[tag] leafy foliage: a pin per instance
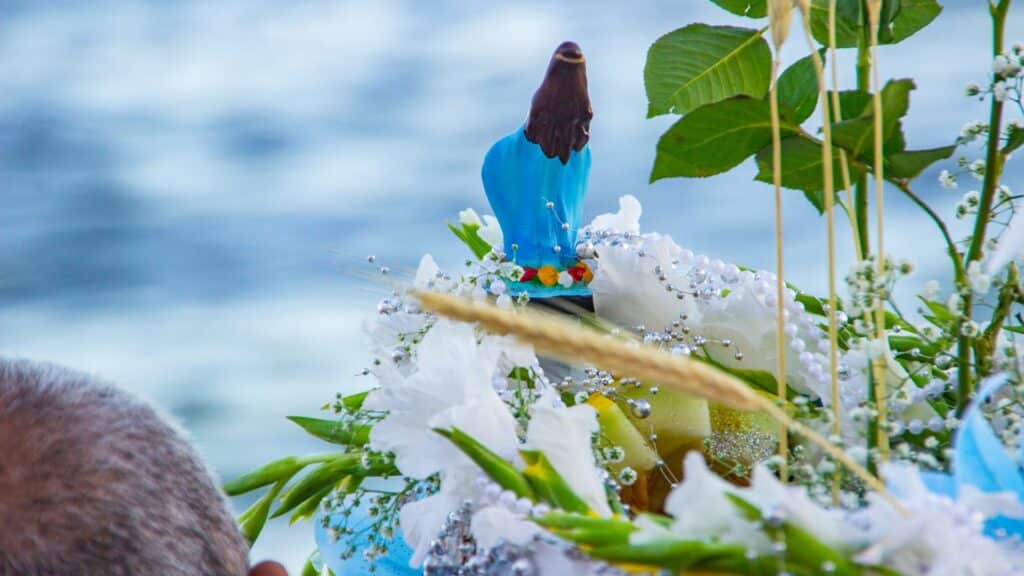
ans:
(700, 64)
(717, 137)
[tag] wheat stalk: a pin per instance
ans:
(574, 343)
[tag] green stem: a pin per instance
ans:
(860, 201)
(954, 254)
(1008, 295)
(864, 85)
(965, 383)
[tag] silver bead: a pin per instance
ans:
(641, 408)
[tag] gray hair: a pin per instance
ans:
(94, 481)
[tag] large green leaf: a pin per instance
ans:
(900, 20)
(748, 8)
(852, 103)
(913, 15)
(798, 87)
(857, 134)
(717, 137)
(700, 64)
(911, 163)
(847, 22)
(802, 161)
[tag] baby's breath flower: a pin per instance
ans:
(961, 210)
(970, 131)
(955, 303)
(1006, 65)
(972, 198)
(978, 281)
(999, 91)
(931, 290)
(972, 89)
(947, 180)
(977, 169)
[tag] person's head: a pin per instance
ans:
(93, 481)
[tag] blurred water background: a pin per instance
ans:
(189, 189)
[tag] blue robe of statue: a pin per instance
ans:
(520, 181)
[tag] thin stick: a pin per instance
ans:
(837, 113)
(829, 191)
(780, 320)
(574, 343)
(878, 364)
(845, 170)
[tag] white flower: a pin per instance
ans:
(565, 279)
(931, 290)
(939, 537)
(976, 279)
(702, 511)
(426, 273)
(490, 232)
(421, 520)
(627, 219)
(999, 91)
(1006, 66)
(947, 180)
(564, 435)
(971, 198)
(626, 288)
(977, 169)
(972, 89)
(1010, 246)
(955, 303)
(970, 131)
(495, 524)
(451, 387)
(744, 318)
(469, 217)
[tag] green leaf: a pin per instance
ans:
(1014, 329)
(748, 8)
(499, 470)
(334, 431)
(353, 402)
(701, 64)
(716, 137)
(852, 103)
(900, 20)
(911, 163)
(798, 87)
(327, 474)
(284, 469)
(306, 510)
(847, 22)
(802, 161)
(549, 485)
(678, 555)
(857, 134)
(913, 15)
(1014, 138)
(468, 233)
(251, 522)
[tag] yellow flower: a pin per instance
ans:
(547, 275)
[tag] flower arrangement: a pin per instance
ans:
(695, 415)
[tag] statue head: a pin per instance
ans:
(560, 112)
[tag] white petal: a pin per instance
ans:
(627, 219)
(494, 524)
(564, 436)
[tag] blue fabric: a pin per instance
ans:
(980, 460)
(396, 563)
(519, 181)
